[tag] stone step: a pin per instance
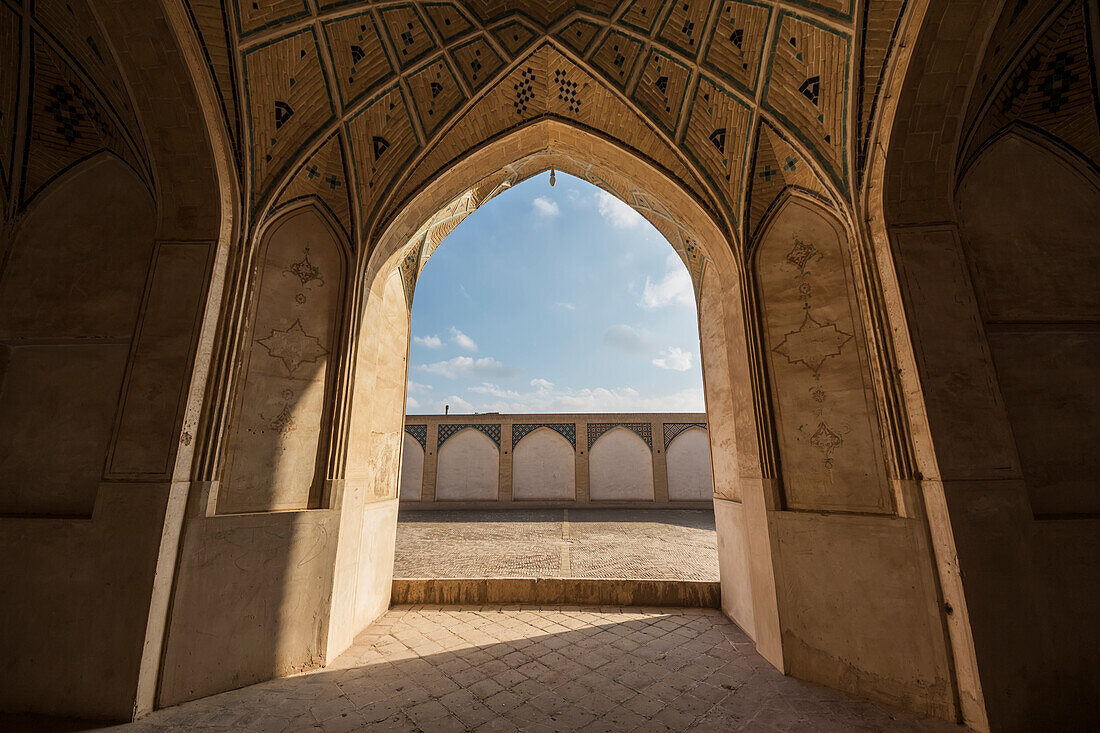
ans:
(556, 591)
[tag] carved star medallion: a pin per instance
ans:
(813, 343)
(293, 347)
(826, 440)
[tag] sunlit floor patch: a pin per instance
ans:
(546, 669)
(654, 544)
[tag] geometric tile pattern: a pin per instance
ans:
(514, 36)
(256, 16)
(77, 103)
(69, 122)
(420, 433)
(357, 55)
(288, 103)
(661, 89)
(643, 429)
(683, 27)
(383, 141)
(672, 429)
(1051, 87)
(448, 20)
(449, 429)
(840, 8)
(323, 178)
(409, 37)
(579, 35)
(478, 62)
(808, 87)
(408, 75)
(776, 167)
(616, 57)
(736, 47)
(435, 93)
(642, 14)
(11, 43)
(566, 430)
(214, 35)
(716, 137)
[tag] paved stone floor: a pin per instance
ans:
(552, 669)
(640, 544)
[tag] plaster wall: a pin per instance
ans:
(412, 469)
(1001, 322)
(549, 463)
(273, 452)
(468, 468)
(1031, 250)
(251, 602)
(688, 464)
(543, 467)
(734, 569)
(620, 467)
(368, 498)
(881, 591)
(253, 591)
(875, 627)
(824, 405)
(71, 296)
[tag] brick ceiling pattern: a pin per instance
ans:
(401, 90)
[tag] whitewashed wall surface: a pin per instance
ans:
(618, 459)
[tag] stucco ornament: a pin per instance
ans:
(293, 347)
(813, 343)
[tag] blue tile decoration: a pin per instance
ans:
(449, 429)
(567, 431)
(420, 432)
(672, 429)
(643, 429)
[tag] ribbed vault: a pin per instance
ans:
(358, 104)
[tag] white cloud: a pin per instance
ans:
(418, 388)
(673, 289)
(566, 306)
(462, 340)
(617, 213)
(628, 338)
(546, 207)
(548, 398)
(674, 359)
(411, 403)
(457, 404)
(464, 367)
(432, 342)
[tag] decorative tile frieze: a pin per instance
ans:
(672, 429)
(643, 429)
(566, 430)
(450, 429)
(419, 433)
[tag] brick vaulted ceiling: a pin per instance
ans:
(360, 103)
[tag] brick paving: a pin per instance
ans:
(641, 544)
(551, 669)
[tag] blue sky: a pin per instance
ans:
(558, 299)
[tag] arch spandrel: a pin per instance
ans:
(546, 83)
